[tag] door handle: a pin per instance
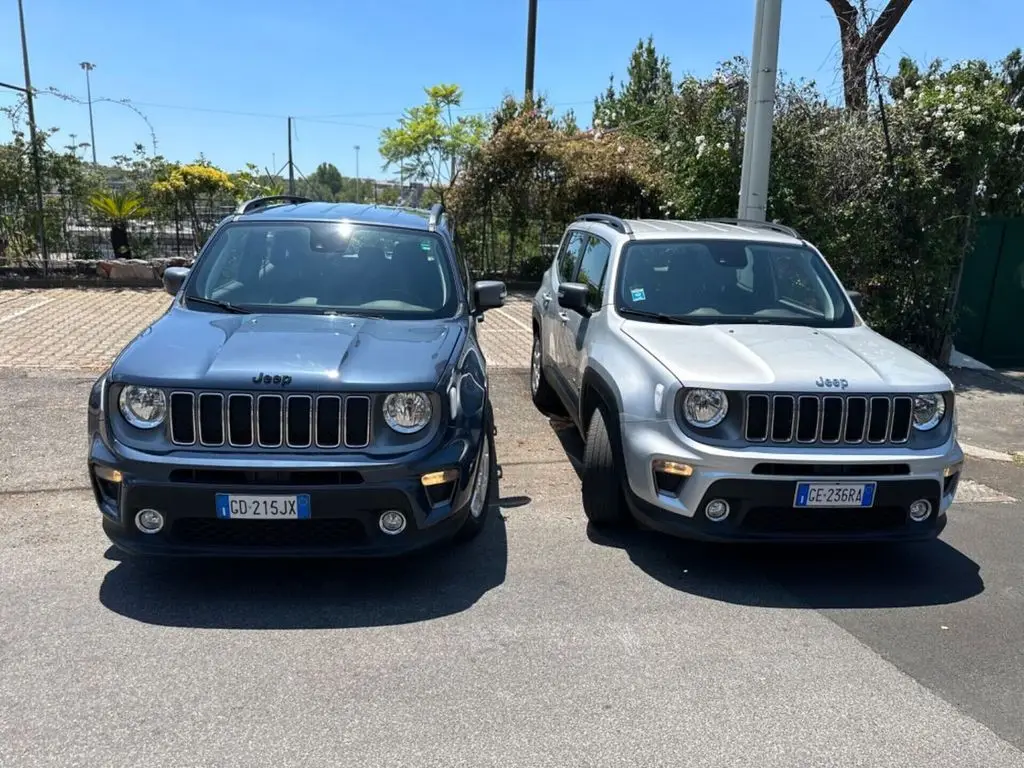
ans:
(564, 317)
(546, 298)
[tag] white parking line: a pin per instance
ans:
(512, 320)
(21, 312)
(985, 453)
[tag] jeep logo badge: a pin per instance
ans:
(266, 378)
(832, 383)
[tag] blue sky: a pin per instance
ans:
(220, 76)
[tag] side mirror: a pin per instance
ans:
(173, 278)
(489, 294)
(856, 298)
(574, 296)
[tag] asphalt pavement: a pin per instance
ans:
(540, 644)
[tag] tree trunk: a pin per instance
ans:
(860, 49)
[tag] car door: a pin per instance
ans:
(592, 270)
(553, 316)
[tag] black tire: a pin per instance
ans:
(603, 500)
(474, 525)
(544, 397)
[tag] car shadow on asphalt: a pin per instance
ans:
(816, 576)
(308, 594)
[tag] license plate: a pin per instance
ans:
(231, 506)
(834, 495)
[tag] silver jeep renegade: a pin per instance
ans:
(727, 388)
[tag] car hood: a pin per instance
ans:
(786, 358)
(188, 348)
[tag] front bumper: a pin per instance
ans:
(346, 501)
(759, 485)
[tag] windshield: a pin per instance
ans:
(324, 267)
(729, 281)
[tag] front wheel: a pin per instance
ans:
(544, 398)
(603, 500)
(485, 486)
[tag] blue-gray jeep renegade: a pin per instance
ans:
(316, 388)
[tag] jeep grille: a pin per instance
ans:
(243, 420)
(828, 419)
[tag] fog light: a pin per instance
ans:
(951, 470)
(717, 510)
(149, 521)
(439, 478)
(920, 510)
(392, 522)
(108, 474)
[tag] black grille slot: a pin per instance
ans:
(828, 419)
(831, 419)
(240, 420)
(328, 421)
(357, 421)
(183, 419)
(268, 420)
(322, 533)
(833, 520)
(856, 419)
(878, 420)
(266, 477)
(781, 469)
(757, 418)
(807, 420)
(902, 414)
(300, 421)
(782, 418)
(211, 419)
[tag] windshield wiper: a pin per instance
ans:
(659, 316)
(219, 304)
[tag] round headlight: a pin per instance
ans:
(143, 407)
(704, 408)
(928, 411)
(407, 412)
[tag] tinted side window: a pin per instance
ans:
(593, 268)
(569, 258)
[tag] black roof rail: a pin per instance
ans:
(262, 202)
(606, 218)
(436, 214)
(757, 224)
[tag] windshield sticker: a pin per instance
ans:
(638, 294)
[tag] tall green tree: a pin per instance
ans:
(644, 102)
(327, 175)
(431, 143)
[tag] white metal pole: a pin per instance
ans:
(760, 161)
(748, 134)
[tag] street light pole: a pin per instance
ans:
(757, 159)
(358, 191)
(36, 163)
(531, 46)
(88, 90)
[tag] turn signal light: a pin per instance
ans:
(108, 474)
(439, 478)
(672, 468)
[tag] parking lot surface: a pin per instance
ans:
(540, 644)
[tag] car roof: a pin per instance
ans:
(682, 229)
(362, 213)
